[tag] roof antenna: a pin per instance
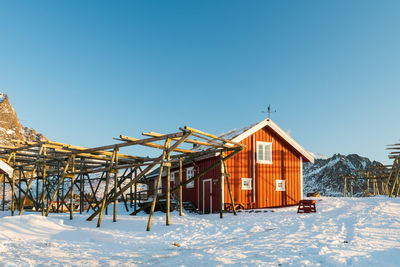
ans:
(269, 111)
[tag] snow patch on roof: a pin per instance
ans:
(235, 132)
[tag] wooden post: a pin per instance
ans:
(4, 193)
(153, 204)
(106, 189)
(229, 188)
(12, 194)
(221, 190)
(44, 189)
(351, 187)
(37, 192)
(19, 189)
(71, 209)
(115, 184)
(345, 187)
(135, 196)
(367, 190)
(131, 193)
(168, 185)
(180, 186)
(81, 193)
(104, 199)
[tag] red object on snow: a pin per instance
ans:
(306, 206)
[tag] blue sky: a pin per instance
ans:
(83, 72)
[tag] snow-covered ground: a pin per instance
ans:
(343, 232)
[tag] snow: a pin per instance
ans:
(4, 167)
(318, 155)
(343, 232)
(2, 97)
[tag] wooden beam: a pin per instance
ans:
(131, 139)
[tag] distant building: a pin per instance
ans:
(267, 173)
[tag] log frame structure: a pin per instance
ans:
(381, 180)
(59, 168)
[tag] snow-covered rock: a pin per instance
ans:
(324, 176)
(10, 126)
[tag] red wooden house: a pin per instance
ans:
(267, 173)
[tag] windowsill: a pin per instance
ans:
(264, 161)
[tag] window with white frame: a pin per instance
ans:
(264, 152)
(175, 177)
(190, 174)
(155, 186)
(280, 185)
(247, 183)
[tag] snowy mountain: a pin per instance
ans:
(10, 127)
(324, 176)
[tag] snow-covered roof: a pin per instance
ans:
(238, 135)
(4, 167)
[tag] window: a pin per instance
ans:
(155, 186)
(190, 174)
(280, 185)
(246, 183)
(175, 178)
(264, 152)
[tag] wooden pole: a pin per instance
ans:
(37, 192)
(4, 193)
(153, 204)
(81, 193)
(106, 190)
(168, 185)
(13, 189)
(131, 193)
(115, 185)
(135, 197)
(345, 187)
(229, 188)
(71, 209)
(351, 187)
(19, 189)
(44, 189)
(221, 190)
(180, 186)
(367, 190)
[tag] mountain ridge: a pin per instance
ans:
(324, 176)
(10, 126)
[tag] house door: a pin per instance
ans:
(207, 196)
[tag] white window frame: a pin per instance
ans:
(175, 176)
(280, 188)
(264, 145)
(155, 186)
(247, 187)
(190, 170)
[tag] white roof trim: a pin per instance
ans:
(6, 168)
(280, 132)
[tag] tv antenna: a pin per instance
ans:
(269, 111)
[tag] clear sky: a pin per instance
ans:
(83, 72)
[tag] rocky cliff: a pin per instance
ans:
(10, 126)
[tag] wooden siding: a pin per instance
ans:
(285, 166)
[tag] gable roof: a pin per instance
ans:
(241, 134)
